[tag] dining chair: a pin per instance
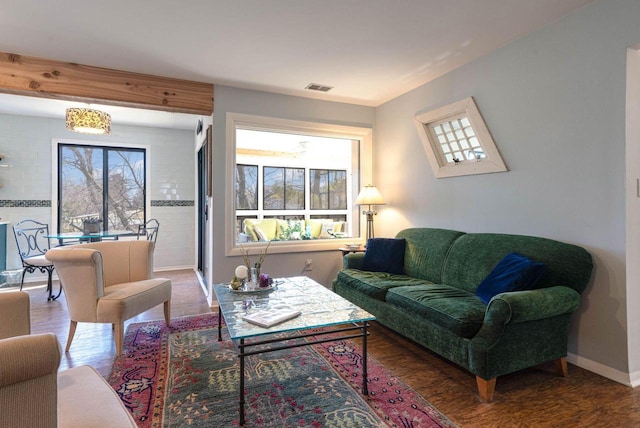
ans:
(31, 239)
(150, 230)
(109, 282)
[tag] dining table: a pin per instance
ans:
(67, 238)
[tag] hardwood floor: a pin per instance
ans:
(530, 398)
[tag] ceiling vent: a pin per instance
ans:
(318, 87)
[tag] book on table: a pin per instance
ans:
(271, 317)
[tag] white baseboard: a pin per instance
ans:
(635, 378)
(627, 379)
(166, 268)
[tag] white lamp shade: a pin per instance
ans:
(369, 195)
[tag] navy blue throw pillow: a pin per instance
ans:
(384, 255)
(514, 272)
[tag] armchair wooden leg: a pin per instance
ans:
(118, 333)
(72, 332)
(561, 366)
(486, 388)
(167, 312)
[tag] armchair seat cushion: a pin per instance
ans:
(123, 301)
(81, 388)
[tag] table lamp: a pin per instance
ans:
(369, 195)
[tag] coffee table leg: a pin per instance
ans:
(365, 390)
(241, 382)
(219, 323)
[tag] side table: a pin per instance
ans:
(347, 250)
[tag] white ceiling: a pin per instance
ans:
(370, 51)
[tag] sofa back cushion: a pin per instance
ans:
(426, 250)
(473, 256)
(267, 226)
(384, 255)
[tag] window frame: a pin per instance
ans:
(491, 162)
(55, 197)
(362, 175)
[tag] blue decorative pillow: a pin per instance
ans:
(384, 255)
(514, 272)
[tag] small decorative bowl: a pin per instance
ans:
(353, 247)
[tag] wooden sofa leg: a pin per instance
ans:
(561, 366)
(486, 388)
(72, 332)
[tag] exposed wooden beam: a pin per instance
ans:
(24, 75)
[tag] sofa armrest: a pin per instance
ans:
(531, 305)
(353, 261)
(522, 306)
(28, 357)
(15, 315)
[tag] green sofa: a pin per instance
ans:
(434, 303)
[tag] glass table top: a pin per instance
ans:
(319, 307)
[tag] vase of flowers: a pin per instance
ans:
(257, 265)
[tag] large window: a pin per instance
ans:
(295, 182)
(101, 185)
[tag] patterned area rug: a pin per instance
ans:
(182, 376)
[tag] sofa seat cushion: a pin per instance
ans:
(459, 311)
(376, 284)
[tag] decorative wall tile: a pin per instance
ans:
(171, 203)
(9, 203)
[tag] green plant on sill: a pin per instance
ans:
(292, 229)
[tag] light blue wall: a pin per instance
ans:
(227, 99)
(554, 102)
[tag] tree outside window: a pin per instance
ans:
(100, 184)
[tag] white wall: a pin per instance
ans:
(26, 143)
(633, 211)
(325, 263)
(554, 102)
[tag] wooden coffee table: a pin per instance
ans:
(319, 307)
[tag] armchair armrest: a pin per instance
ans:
(29, 357)
(353, 261)
(15, 319)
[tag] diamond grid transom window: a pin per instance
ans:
(457, 141)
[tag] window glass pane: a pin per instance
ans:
(125, 203)
(100, 183)
(294, 189)
(273, 198)
(328, 189)
(247, 187)
(81, 172)
(319, 189)
(338, 190)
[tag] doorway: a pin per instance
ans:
(204, 197)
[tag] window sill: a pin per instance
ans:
(278, 247)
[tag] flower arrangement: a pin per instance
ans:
(258, 264)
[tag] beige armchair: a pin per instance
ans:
(109, 282)
(33, 393)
